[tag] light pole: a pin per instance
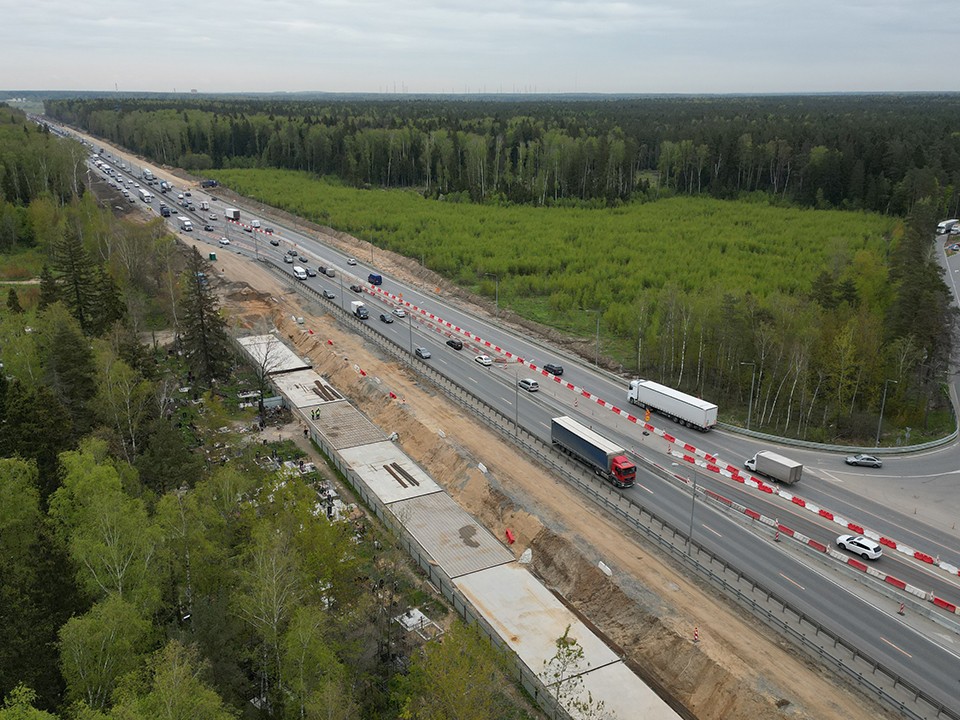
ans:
(496, 291)
(596, 357)
(340, 276)
(516, 402)
(882, 404)
(753, 376)
(693, 505)
(410, 326)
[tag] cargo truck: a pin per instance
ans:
(946, 226)
(359, 309)
(147, 175)
(185, 223)
(774, 466)
(679, 407)
(607, 459)
(232, 214)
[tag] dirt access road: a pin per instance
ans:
(738, 671)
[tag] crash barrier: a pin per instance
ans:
(818, 641)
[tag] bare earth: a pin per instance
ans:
(648, 608)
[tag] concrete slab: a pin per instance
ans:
(624, 695)
(450, 535)
(388, 472)
(271, 354)
(305, 389)
(529, 618)
(344, 426)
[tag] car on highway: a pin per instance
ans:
(328, 295)
(246, 228)
(212, 216)
(455, 343)
(311, 272)
(422, 352)
(357, 288)
(385, 318)
(303, 258)
(864, 460)
(860, 545)
(293, 252)
(553, 369)
(268, 230)
(400, 312)
(287, 259)
(274, 242)
(483, 360)
(208, 228)
(351, 261)
(223, 241)
(528, 384)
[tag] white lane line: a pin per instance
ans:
(707, 527)
(643, 487)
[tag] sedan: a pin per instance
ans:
(303, 259)
(422, 352)
(400, 312)
(212, 216)
(385, 318)
(328, 295)
(293, 252)
(351, 261)
(865, 460)
(223, 241)
(209, 228)
(357, 288)
(274, 242)
(858, 544)
(311, 272)
(483, 360)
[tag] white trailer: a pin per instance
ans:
(946, 226)
(232, 214)
(775, 466)
(145, 195)
(679, 407)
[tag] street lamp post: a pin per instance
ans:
(340, 276)
(410, 326)
(516, 402)
(753, 376)
(882, 404)
(496, 291)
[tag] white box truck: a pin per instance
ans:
(232, 214)
(679, 407)
(299, 273)
(359, 309)
(185, 223)
(775, 466)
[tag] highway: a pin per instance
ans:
(867, 621)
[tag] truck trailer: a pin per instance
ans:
(185, 223)
(607, 459)
(359, 309)
(775, 466)
(679, 407)
(232, 214)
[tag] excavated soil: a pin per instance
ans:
(648, 608)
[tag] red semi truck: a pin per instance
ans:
(607, 459)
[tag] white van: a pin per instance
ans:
(255, 223)
(299, 273)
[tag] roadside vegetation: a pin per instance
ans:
(161, 557)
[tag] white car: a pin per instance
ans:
(483, 360)
(400, 312)
(224, 241)
(859, 545)
(351, 261)
(528, 384)
(212, 216)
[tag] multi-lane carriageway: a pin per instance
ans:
(899, 648)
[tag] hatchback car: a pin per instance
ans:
(422, 352)
(311, 272)
(351, 261)
(483, 359)
(212, 216)
(274, 242)
(528, 384)
(865, 460)
(455, 343)
(287, 259)
(356, 288)
(385, 318)
(303, 258)
(400, 312)
(328, 295)
(554, 369)
(223, 241)
(293, 252)
(209, 228)
(859, 545)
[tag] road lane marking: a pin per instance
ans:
(896, 648)
(707, 527)
(789, 580)
(644, 487)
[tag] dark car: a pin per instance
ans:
(455, 343)
(385, 318)
(246, 228)
(356, 288)
(274, 242)
(328, 295)
(208, 228)
(311, 272)
(292, 252)
(303, 259)
(554, 369)
(268, 230)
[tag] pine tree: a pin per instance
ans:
(108, 306)
(13, 302)
(204, 338)
(49, 290)
(76, 277)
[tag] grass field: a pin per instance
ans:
(552, 261)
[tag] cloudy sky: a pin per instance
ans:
(443, 46)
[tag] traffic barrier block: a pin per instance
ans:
(798, 501)
(857, 564)
(895, 582)
(923, 557)
(752, 513)
(888, 542)
(827, 514)
(944, 604)
(858, 529)
(817, 545)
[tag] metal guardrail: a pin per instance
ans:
(859, 667)
(841, 448)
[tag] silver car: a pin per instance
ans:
(864, 460)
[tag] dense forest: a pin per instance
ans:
(881, 153)
(158, 558)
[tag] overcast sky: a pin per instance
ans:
(443, 46)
